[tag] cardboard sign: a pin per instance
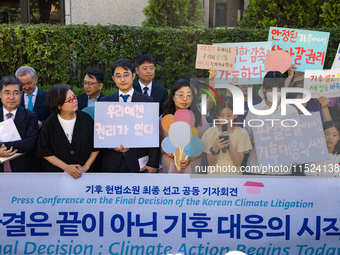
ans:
(336, 62)
(278, 145)
(133, 125)
(218, 57)
(162, 214)
(323, 82)
(307, 48)
(249, 64)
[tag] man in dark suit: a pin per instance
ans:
(26, 123)
(33, 98)
(145, 68)
(93, 83)
(125, 159)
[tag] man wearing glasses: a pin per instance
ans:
(125, 160)
(26, 123)
(33, 98)
(93, 83)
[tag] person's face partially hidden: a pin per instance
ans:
(123, 79)
(332, 137)
(92, 87)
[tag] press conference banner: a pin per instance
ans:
(125, 214)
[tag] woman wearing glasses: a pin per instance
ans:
(181, 97)
(66, 139)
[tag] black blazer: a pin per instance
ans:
(26, 123)
(83, 99)
(112, 158)
(39, 106)
(158, 93)
(53, 142)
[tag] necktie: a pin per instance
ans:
(30, 102)
(125, 97)
(7, 165)
(145, 90)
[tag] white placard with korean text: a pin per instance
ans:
(133, 125)
(323, 82)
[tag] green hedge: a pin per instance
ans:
(61, 53)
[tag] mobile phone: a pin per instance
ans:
(225, 138)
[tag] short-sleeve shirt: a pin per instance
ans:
(239, 139)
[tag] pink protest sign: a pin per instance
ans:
(278, 61)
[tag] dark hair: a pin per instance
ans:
(328, 124)
(56, 97)
(170, 108)
(124, 63)
(95, 73)
(227, 102)
(144, 58)
(10, 80)
(273, 79)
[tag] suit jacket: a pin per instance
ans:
(26, 123)
(53, 141)
(83, 99)
(158, 93)
(39, 106)
(112, 158)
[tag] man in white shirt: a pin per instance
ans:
(145, 69)
(26, 123)
(126, 159)
(33, 98)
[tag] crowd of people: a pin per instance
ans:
(57, 127)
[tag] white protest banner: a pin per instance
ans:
(134, 125)
(218, 57)
(308, 48)
(278, 144)
(336, 61)
(140, 214)
(323, 82)
(249, 64)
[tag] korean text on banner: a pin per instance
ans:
(323, 82)
(133, 125)
(307, 48)
(276, 144)
(249, 64)
(218, 57)
(139, 214)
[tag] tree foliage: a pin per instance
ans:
(282, 13)
(331, 13)
(173, 13)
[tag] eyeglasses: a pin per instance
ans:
(89, 83)
(182, 96)
(7, 93)
(125, 76)
(74, 98)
